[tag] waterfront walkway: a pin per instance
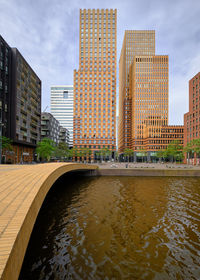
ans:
(23, 189)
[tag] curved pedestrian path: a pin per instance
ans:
(23, 189)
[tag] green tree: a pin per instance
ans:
(85, 152)
(188, 149)
(89, 152)
(196, 147)
(143, 153)
(45, 149)
(175, 150)
(81, 153)
(63, 146)
(6, 143)
(57, 153)
(69, 154)
(75, 152)
(116, 155)
(160, 154)
(98, 154)
(193, 147)
(61, 151)
(105, 152)
(128, 153)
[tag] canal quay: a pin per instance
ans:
(146, 169)
(135, 221)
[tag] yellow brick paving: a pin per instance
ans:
(22, 192)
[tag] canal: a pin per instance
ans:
(117, 228)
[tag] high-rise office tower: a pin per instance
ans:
(143, 90)
(62, 107)
(135, 43)
(95, 81)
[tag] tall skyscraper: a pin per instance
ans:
(143, 90)
(62, 99)
(149, 78)
(95, 81)
(135, 43)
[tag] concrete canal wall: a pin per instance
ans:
(145, 172)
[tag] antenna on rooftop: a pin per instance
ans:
(46, 108)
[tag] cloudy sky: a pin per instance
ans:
(46, 33)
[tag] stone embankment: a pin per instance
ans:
(146, 169)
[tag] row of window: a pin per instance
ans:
(94, 82)
(93, 106)
(95, 85)
(86, 121)
(94, 98)
(94, 67)
(101, 13)
(90, 115)
(95, 146)
(104, 31)
(143, 97)
(92, 36)
(95, 134)
(104, 49)
(95, 77)
(76, 127)
(99, 20)
(94, 142)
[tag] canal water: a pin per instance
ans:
(117, 228)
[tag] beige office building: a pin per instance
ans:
(95, 81)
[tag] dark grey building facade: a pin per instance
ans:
(50, 127)
(20, 103)
(26, 101)
(64, 135)
(5, 88)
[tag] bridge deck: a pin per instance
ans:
(22, 191)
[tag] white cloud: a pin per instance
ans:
(46, 33)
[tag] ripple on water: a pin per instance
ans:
(118, 228)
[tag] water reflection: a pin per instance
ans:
(118, 228)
